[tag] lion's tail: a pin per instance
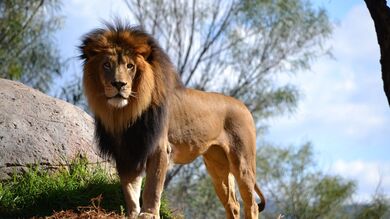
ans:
(261, 205)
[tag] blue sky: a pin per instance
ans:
(343, 110)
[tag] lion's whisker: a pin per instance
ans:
(133, 94)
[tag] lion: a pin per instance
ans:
(145, 119)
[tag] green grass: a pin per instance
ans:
(39, 193)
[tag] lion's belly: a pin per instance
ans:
(187, 147)
(183, 154)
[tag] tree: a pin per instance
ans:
(379, 207)
(380, 14)
(296, 189)
(27, 51)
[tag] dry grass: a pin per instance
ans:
(86, 212)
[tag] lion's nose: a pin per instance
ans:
(118, 84)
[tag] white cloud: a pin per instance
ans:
(368, 175)
(355, 38)
(345, 93)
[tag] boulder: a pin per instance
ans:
(38, 129)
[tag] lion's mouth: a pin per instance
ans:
(119, 96)
(118, 101)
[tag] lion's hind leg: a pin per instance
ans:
(217, 166)
(246, 180)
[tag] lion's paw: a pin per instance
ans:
(145, 215)
(133, 215)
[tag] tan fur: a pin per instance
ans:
(199, 123)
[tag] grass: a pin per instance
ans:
(40, 193)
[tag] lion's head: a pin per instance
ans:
(122, 74)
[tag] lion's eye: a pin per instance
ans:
(130, 66)
(107, 66)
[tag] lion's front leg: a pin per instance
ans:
(156, 170)
(131, 187)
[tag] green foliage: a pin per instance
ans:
(39, 193)
(295, 188)
(27, 51)
(165, 210)
(379, 207)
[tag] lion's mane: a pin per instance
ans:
(129, 134)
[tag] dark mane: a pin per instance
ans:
(132, 148)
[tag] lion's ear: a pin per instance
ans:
(144, 50)
(86, 53)
(91, 44)
(87, 49)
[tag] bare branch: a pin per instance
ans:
(209, 43)
(191, 40)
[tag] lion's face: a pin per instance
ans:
(117, 74)
(120, 80)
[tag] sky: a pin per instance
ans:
(343, 110)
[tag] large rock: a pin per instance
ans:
(38, 129)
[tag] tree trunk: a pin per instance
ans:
(380, 13)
